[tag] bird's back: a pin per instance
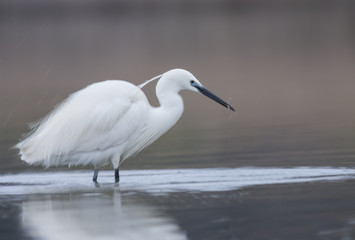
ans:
(95, 119)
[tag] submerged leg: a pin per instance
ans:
(96, 172)
(117, 175)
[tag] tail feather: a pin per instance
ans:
(27, 151)
(36, 148)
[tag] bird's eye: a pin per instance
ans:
(192, 81)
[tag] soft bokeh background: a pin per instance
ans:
(288, 67)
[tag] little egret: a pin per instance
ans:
(108, 122)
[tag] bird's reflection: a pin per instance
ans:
(96, 216)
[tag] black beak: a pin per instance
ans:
(211, 95)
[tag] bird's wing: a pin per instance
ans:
(98, 117)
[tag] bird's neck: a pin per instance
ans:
(168, 113)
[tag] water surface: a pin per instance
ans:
(180, 204)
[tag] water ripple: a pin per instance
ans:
(165, 181)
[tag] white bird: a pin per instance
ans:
(108, 122)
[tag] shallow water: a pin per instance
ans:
(167, 181)
(180, 204)
(100, 215)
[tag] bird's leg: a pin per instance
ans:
(117, 175)
(96, 172)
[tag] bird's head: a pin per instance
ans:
(180, 79)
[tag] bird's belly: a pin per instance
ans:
(96, 158)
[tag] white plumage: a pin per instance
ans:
(108, 122)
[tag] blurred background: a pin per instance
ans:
(287, 66)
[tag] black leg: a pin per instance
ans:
(96, 172)
(117, 175)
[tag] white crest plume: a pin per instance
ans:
(150, 80)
